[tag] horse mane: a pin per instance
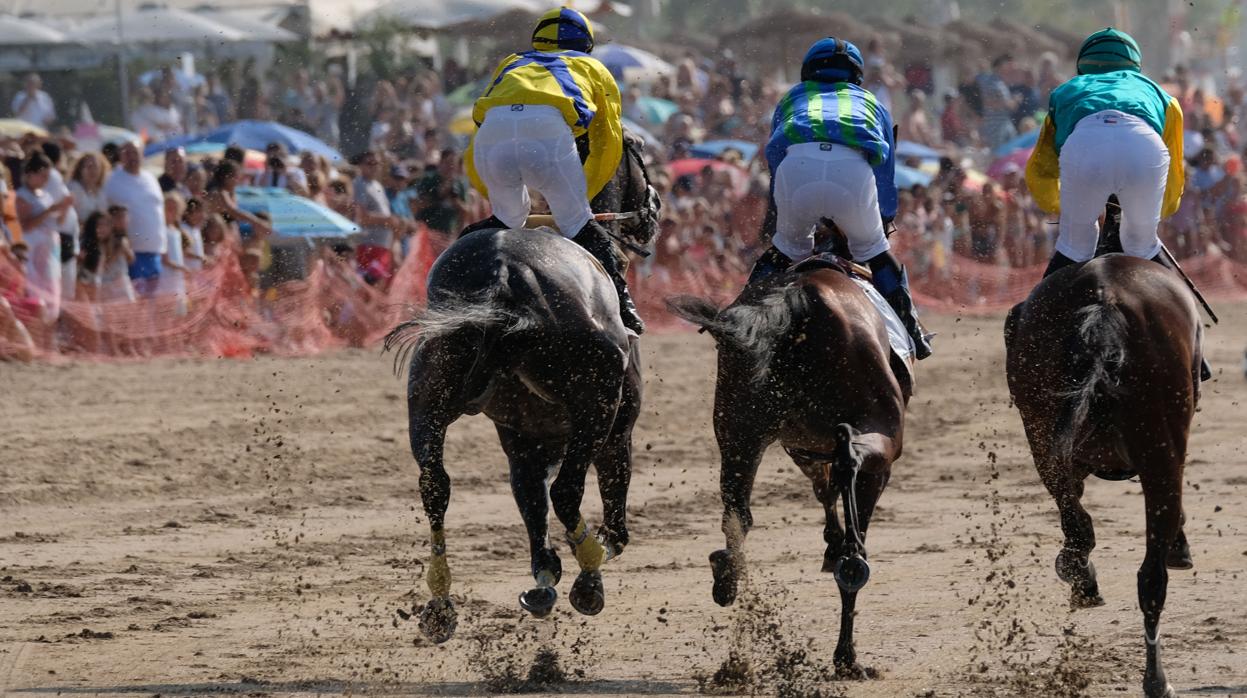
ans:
(1098, 353)
(754, 327)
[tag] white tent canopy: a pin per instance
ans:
(251, 30)
(15, 31)
(154, 25)
(440, 14)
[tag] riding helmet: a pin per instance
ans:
(1109, 50)
(563, 29)
(832, 60)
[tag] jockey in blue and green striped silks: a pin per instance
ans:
(832, 154)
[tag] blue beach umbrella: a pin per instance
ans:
(909, 149)
(908, 177)
(655, 110)
(255, 135)
(294, 216)
(624, 61)
(712, 149)
(1026, 140)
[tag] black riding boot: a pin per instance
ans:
(771, 262)
(593, 237)
(1205, 368)
(1059, 261)
(491, 223)
(890, 279)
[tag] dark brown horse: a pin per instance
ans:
(524, 326)
(1103, 364)
(804, 360)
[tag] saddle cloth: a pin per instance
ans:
(898, 338)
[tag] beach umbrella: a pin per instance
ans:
(909, 177)
(439, 14)
(252, 30)
(713, 149)
(255, 135)
(185, 81)
(694, 166)
(294, 216)
(628, 61)
(16, 128)
(1026, 140)
(1013, 162)
(909, 149)
(640, 131)
(153, 25)
(465, 95)
(655, 110)
(16, 31)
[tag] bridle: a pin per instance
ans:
(646, 217)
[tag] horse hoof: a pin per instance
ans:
(1159, 689)
(539, 602)
(438, 620)
(588, 596)
(1082, 599)
(613, 541)
(725, 577)
(1179, 559)
(852, 572)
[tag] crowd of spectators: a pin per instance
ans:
(99, 226)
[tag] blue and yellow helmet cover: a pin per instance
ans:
(563, 29)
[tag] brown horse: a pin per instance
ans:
(804, 359)
(1103, 364)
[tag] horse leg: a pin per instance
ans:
(740, 456)
(438, 619)
(1073, 563)
(1179, 556)
(614, 462)
(591, 404)
(433, 402)
(530, 460)
(1162, 496)
(860, 472)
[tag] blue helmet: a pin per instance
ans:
(563, 29)
(832, 60)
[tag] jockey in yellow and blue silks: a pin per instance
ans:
(832, 155)
(550, 120)
(1109, 130)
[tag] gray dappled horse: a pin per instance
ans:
(524, 326)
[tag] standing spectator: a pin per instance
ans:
(372, 211)
(192, 225)
(106, 257)
(443, 195)
(38, 212)
(998, 101)
(278, 174)
(218, 100)
(86, 183)
(33, 105)
(222, 201)
(139, 193)
(66, 224)
(916, 126)
(987, 224)
(174, 176)
(158, 119)
(954, 129)
(173, 267)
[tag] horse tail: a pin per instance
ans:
(1098, 353)
(755, 328)
(490, 312)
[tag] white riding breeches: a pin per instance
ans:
(826, 180)
(530, 146)
(1111, 152)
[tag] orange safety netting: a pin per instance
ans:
(222, 315)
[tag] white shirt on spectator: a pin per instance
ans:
(158, 123)
(56, 187)
(292, 177)
(37, 109)
(86, 203)
(172, 281)
(196, 238)
(141, 196)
